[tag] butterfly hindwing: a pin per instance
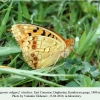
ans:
(41, 51)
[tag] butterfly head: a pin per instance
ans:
(69, 42)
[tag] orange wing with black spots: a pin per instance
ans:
(40, 46)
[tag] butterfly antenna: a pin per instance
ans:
(75, 52)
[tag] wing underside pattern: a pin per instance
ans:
(40, 47)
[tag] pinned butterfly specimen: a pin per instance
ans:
(40, 46)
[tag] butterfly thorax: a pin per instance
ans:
(69, 47)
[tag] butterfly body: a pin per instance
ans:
(40, 46)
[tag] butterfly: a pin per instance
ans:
(41, 47)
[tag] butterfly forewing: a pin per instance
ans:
(22, 31)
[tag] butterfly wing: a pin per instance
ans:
(40, 47)
(41, 51)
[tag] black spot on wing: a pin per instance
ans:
(29, 34)
(52, 36)
(35, 30)
(49, 35)
(43, 34)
